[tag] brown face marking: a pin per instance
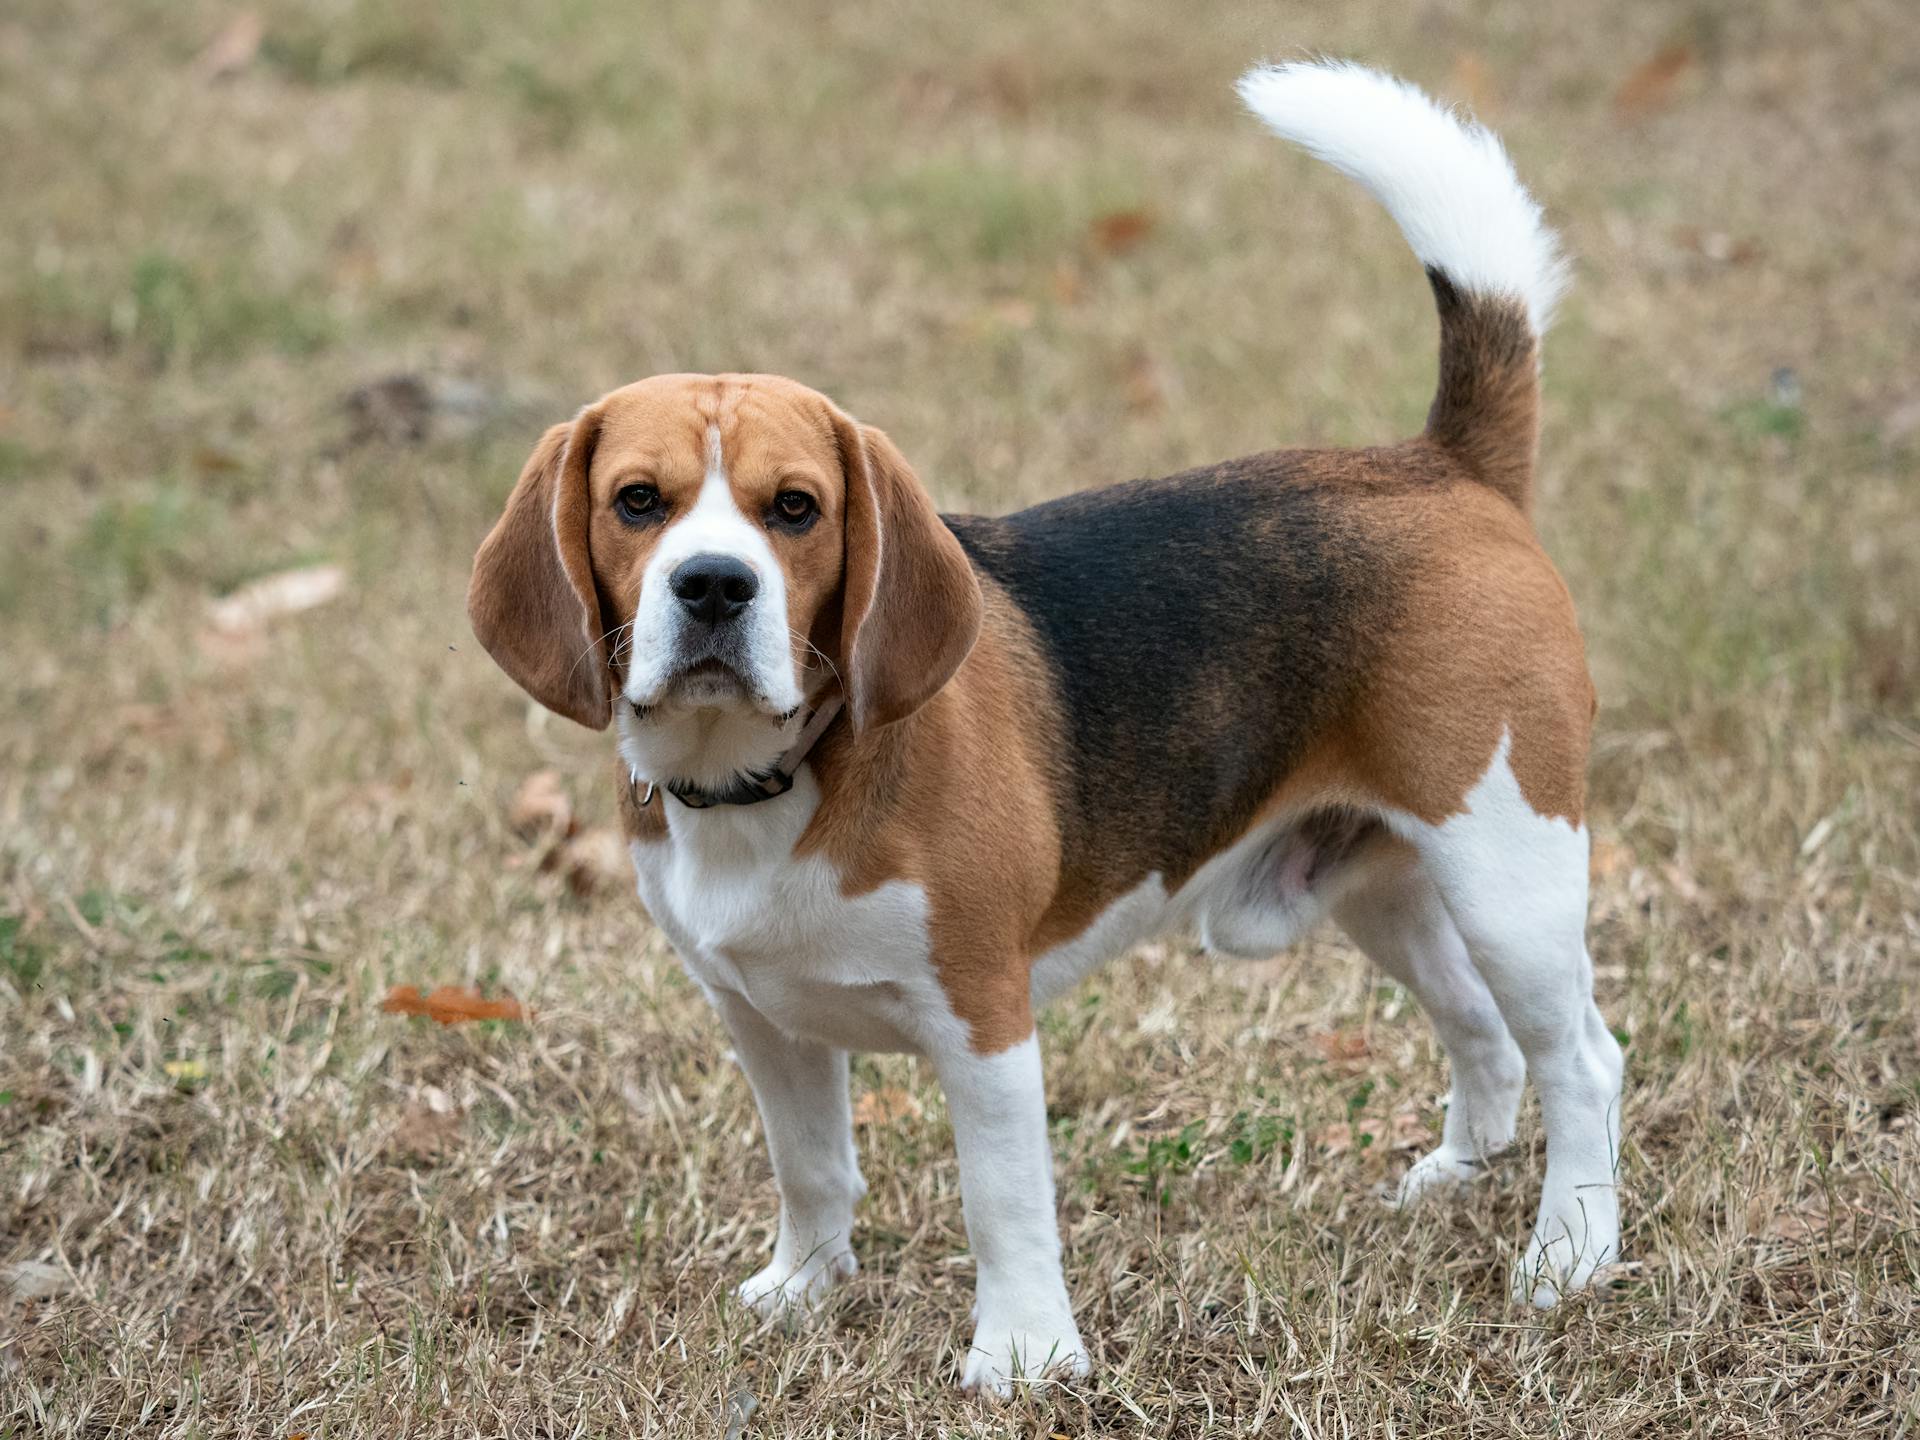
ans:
(775, 436)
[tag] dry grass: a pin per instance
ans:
(328, 1220)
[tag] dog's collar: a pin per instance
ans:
(752, 789)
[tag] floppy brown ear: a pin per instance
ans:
(910, 603)
(532, 599)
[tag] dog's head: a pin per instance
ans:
(708, 554)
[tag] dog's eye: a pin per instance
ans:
(794, 507)
(636, 502)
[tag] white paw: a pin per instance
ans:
(1439, 1170)
(786, 1289)
(1560, 1266)
(1004, 1354)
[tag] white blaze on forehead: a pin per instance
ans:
(715, 525)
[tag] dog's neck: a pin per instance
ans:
(709, 756)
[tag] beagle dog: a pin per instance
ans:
(892, 779)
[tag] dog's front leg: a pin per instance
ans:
(801, 1088)
(1023, 1320)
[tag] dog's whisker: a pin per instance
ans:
(814, 649)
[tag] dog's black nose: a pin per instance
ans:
(714, 587)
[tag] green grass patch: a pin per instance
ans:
(182, 314)
(23, 959)
(130, 543)
(422, 44)
(971, 210)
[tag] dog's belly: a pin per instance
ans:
(857, 972)
(1255, 898)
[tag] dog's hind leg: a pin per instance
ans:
(1397, 919)
(1515, 883)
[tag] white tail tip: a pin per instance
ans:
(1447, 182)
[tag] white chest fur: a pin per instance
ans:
(856, 972)
(749, 917)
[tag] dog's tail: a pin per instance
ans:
(1495, 267)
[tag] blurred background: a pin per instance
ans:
(288, 291)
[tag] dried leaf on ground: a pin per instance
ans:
(1409, 1131)
(260, 602)
(1343, 1046)
(886, 1106)
(1609, 858)
(1336, 1139)
(1649, 86)
(1069, 286)
(1145, 384)
(33, 1280)
(595, 861)
(541, 808)
(1119, 231)
(234, 48)
(451, 1004)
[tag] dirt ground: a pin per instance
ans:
(296, 287)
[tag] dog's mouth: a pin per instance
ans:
(709, 683)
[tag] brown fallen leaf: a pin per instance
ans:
(258, 603)
(1343, 1046)
(1408, 1131)
(1119, 231)
(886, 1106)
(212, 460)
(1609, 858)
(1649, 86)
(1336, 1139)
(596, 861)
(1068, 285)
(234, 48)
(451, 1004)
(1146, 387)
(541, 809)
